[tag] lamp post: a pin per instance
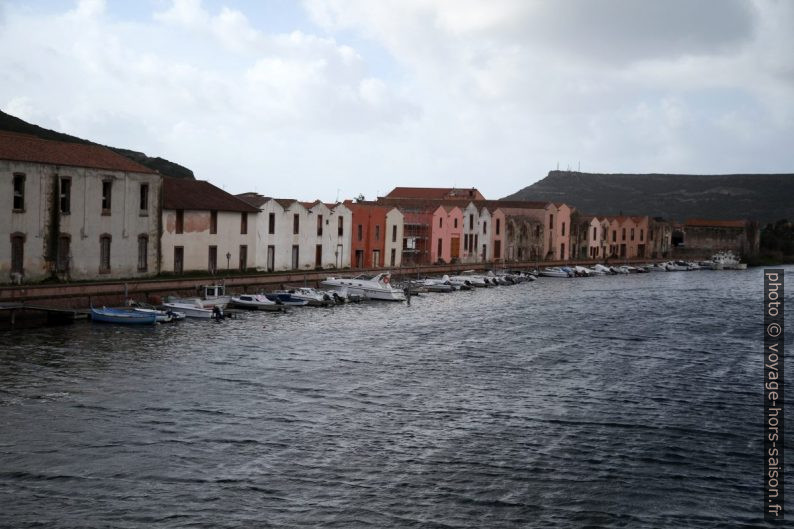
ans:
(228, 260)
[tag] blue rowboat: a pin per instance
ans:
(127, 317)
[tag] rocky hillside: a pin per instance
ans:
(762, 197)
(165, 167)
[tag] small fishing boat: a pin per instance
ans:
(193, 308)
(677, 266)
(581, 271)
(124, 316)
(285, 298)
(256, 302)
(162, 316)
(313, 297)
(554, 272)
(657, 267)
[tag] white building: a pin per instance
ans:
(205, 228)
(292, 235)
(75, 211)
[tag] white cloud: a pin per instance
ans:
(488, 94)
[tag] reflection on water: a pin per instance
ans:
(612, 401)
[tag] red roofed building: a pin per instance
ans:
(75, 211)
(435, 193)
(205, 228)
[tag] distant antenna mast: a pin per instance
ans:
(337, 195)
(579, 167)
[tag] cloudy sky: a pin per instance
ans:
(327, 98)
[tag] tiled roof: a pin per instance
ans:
(27, 148)
(179, 193)
(285, 202)
(435, 193)
(706, 223)
(254, 199)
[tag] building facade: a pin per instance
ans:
(205, 229)
(75, 212)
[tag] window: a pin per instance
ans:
(180, 221)
(595, 233)
(562, 251)
(319, 225)
(466, 243)
(624, 233)
(66, 194)
(377, 232)
(296, 224)
(295, 255)
(551, 222)
(439, 249)
(394, 233)
(271, 223)
(62, 262)
(642, 235)
(243, 223)
(107, 188)
(143, 251)
(341, 229)
(213, 222)
(632, 234)
(17, 253)
(476, 243)
(243, 257)
(440, 222)
(393, 258)
(212, 259)
(19, 192)
(104, 253)
(144, 202)
(498, 225)
(360, 232)
(471, 222)
(455, 223)
(484, 227)
(179, 259)
(614, 235)
(562, 227)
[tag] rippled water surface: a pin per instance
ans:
(628, 401)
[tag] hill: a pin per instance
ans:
(762, 197)
(14, 124)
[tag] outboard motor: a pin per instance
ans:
(217, 313)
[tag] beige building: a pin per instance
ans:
(75, 211)
(205, 228)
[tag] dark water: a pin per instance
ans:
(607, 402)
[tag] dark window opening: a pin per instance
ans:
(271, 223)
(19, 192)
(66, 195)
(107, 188)
(213, 222)
(180, 221)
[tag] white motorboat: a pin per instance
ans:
(215, 296)
(376, 287)
(461, 283)
(256, 302)
(677, 266)
(728, 261)
(554, 272)
(657, 267)
(601, 269)
(162, 316)
(470, 280)
(194, 309)
(438, 285)
(581, 271)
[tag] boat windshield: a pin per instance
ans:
(364, 277)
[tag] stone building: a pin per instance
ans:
(205, 228)
(742, 237)
(75, 211)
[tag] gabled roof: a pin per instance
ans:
(180, 193)
(706, 223)
(27, 148)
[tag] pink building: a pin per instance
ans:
(447, 229)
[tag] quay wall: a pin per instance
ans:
(84, 295)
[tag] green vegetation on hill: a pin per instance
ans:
(762, 197)
(14, 124)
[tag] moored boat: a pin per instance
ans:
(554, 272)
(376, 287)
(256, 302)
(123, 316)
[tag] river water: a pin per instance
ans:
(623, 401)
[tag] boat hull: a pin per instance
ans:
(122, 317)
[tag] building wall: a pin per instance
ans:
(498, 235)
(196, 240)
(525, 237)
(42, 223)
(485, 228)
(471, 234)
(417, 236)
(394, 238)
(447, 225)
(709, 239)
(369, 235)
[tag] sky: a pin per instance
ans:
(329, 99)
